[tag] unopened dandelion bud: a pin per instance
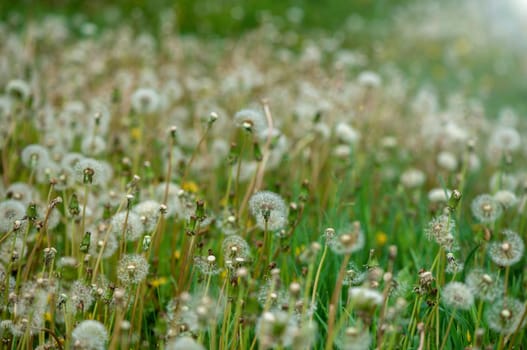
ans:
(173, 130)
(454, 199)
(74, 207)
(129, 200)
(329, 234)
(163, 209)
(295, 288)
(32, 213)
(242, 272)
(85, 244)
(392, 251)
(200, 210)
(387, 277)
(146, 242)
(16, 225)
(88, 174)
(213, 116)
(125, 325)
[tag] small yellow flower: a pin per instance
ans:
(158, 282)
(381, 238)
(299, 250)
(135, 133)
(177, 254)
(190, 186)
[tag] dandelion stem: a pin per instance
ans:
(335, 298)
(445, 336)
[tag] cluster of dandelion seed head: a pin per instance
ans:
(269, 210)
(132, 269)
(457, 295)
(508, 251)
(486, 209)
(89, 335)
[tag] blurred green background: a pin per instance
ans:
(497, 73)
(206, 17)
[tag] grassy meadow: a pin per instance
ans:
(263, 175)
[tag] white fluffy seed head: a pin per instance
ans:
(89, 335)
(269, 210)
(457, 295)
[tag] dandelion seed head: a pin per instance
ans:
(18, 89)
(364, 298)
(275, 328)
(93, 145)
(484, 285)
(22, 192)
(145, 101)
(34, 156)
(128, 222)
(353, 338)
(509, 251)
(89, 335)
(413, 178)
(486, 209)
(447, 161)
(506, 198)
(89, 171)
(457, 295)
(184, 343)
(132, 269)
(251, 120)
(10, 211)
(504, 315)
(348, 240)
(149, 213)
(441, 229)
(269, 210)
(505, 139)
